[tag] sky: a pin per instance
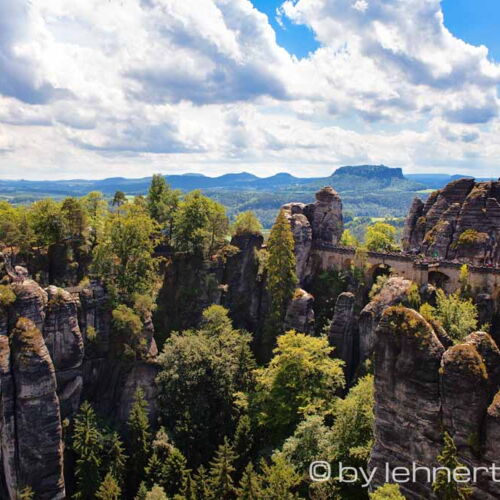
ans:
(128, 88)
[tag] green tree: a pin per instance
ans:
(246, 223)
(142, 491)
(387, 492)
(445, 487)
(201, 225)
(127, 327)
(380, 237)
(281, 277)
(156, 493)
(202, 482)
(119, 199)
(465, 287)
(47, 222)
(115, 457)
(188, 487)
(201, 372)
(280, 479)
(109, 489)
(243, 443)
(349, 440)
(75, 218)
(217, 227)
(221, 472)
(459, 317)
(88, 446)
(96, 209)
(166, 466)
(301, 378)
(139, 439)
(348, 239)
(163, 203)
(10, 233)
(250, 487)
(124, 258)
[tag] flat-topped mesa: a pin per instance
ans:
(460, 221)
(318, 222)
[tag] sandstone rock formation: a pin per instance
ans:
(314, 223)
(31, 421)
(394, 291)
(460, 221)
(300, 313)
(65, 344)
(245, 287)
(423, 390)
(343, 335)
(54, 352)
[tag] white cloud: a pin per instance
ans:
(129, 87)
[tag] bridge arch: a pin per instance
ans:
(439, 279)
(379, 270)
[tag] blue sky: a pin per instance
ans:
(474, 21)
(128, 88)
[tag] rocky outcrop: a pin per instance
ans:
(245, 286)
(461, 221)
(407, 404)
(302, 235)
(36, 416)
(314, 223)
(55, 350)
(423, 390)
(300, 312)
(65, 344)
(343, 335)
(394, 291)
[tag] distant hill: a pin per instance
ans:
(438, 181)
(367, 190)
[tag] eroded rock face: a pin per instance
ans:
(318, 222)
(300, 313)
(245, 288)
(343, 332)
(423, 390)
(394, 291)
(407, 404)
(65, 344)
(39, 450)
(53, 344)
(461, 221)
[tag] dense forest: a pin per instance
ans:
(241, 408)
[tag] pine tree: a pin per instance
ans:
(166, 466)
(202, 482)
(116, 458)
(243, 443)
(87, 445)
(221, 470)
(189, 487)
(139, 439)
(119, 199)
(154, 470)
(109, 489)
(281, 277)
(444, 486)
(141, 492)
(250, 485)
(174, 471)
(163, 203)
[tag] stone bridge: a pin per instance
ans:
(441, 273)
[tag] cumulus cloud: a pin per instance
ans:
(127, 87)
